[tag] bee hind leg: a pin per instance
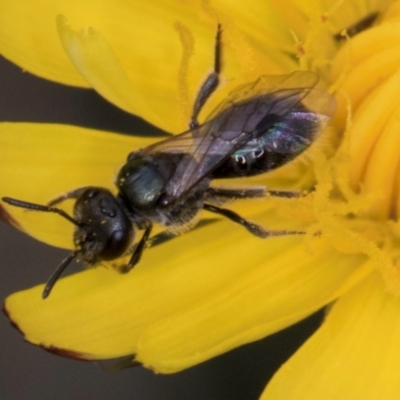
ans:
(253, 228)
(210, 84)
(220, 195)
(285, 193)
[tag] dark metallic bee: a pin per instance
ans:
(261, 126)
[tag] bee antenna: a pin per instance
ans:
(57, 273)
(39, 207)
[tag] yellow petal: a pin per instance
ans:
(354, 355)
(368, 125)
(133, 54)
(28, 37)
(38, 162)
(261, 24)
(379, 39)
(381, 176)
(270, 295)
(27, 33)
(93, 57)
(370, 92)
(363, 78)
(314, 24)
(101, 314)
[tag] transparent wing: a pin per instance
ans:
(267, 84)
(299, 128)
(189, 141)
(246, 115)
(282, 142)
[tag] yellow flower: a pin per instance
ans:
(217, 287)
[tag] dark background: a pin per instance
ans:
(28, 372)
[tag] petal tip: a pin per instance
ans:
(51, 349)
(13, 323)
(67, 353)
(6, 217)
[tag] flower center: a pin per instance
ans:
(369, 66)
(361, 206)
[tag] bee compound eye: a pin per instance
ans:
(116, 245)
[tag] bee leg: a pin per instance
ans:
(255, 229)
(284, 193)
(221, 195)
(210, 84)
(218, 195)
(137, 254)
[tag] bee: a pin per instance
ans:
(259, 127)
